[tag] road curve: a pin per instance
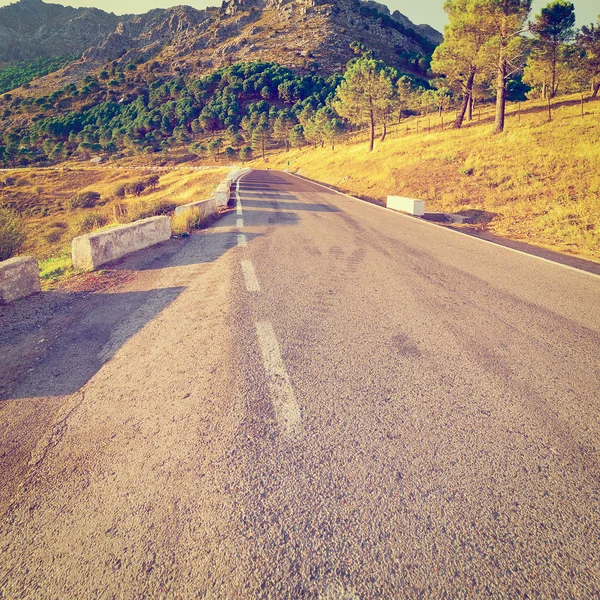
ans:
(314, 398)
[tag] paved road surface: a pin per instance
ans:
(315, 398)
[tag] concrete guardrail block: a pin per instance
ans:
(407, 205)
(19, 278)
(97, 248)
(206, 208)
(223, 193)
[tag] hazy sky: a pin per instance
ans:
(418, 11)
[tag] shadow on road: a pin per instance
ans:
(58, 356)
(53, 343)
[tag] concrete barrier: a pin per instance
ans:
(19, 277)
(206, 208)
(223, 193)
(97, 248)
(407, 205)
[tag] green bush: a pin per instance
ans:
(135, 188)
(92, 221)
(120, 192)
(246, 153)
(12, 233)
(84, 200)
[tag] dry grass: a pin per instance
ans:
(42, 197)
(538, 182)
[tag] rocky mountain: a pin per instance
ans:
(32, 29)
(310, 35)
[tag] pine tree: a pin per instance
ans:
(282, 126)
(365, 93)
(552, 28)
(588, 40)
(459, 56)
(503, 21)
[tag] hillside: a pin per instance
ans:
(309, 35)
(31, 29)
(45, 199)
(539, 183)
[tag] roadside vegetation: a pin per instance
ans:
(539, 183)
(372, 130)
(44, 209)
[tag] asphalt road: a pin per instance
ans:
(314, 398)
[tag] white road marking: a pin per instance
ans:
(242, 240)
(284, 401)
(237, 196)
(252, 284)
(449, 229)
(240, 223)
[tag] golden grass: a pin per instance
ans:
(538, 182)
(42, 196)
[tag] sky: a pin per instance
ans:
(418, 11)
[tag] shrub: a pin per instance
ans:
(152, 181)
(120, 192)
(230, 153)
(163, 207)
(84, 200)
(120, 212)
(144, 210)
(246, 153)
(12, 233)
(136, 188)
(54, 236)
(92, 221)
(59, 225)
(187, 221)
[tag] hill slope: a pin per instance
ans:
(537, 183)
(32, 29)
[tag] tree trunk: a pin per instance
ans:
(553, 80)
(500, 95)
(460, 117)
(471, 105)
(384, 132)
(372, 132)
(596, 89)
(263, 148)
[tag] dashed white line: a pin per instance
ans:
(240, 223)
(237, 197)
(250, 278)
(242, 241)
(284, 401)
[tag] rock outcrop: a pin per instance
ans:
(310, 35)
(32, 29)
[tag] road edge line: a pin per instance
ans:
(448, 229)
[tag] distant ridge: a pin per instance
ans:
(310, 35)
(32, 29)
